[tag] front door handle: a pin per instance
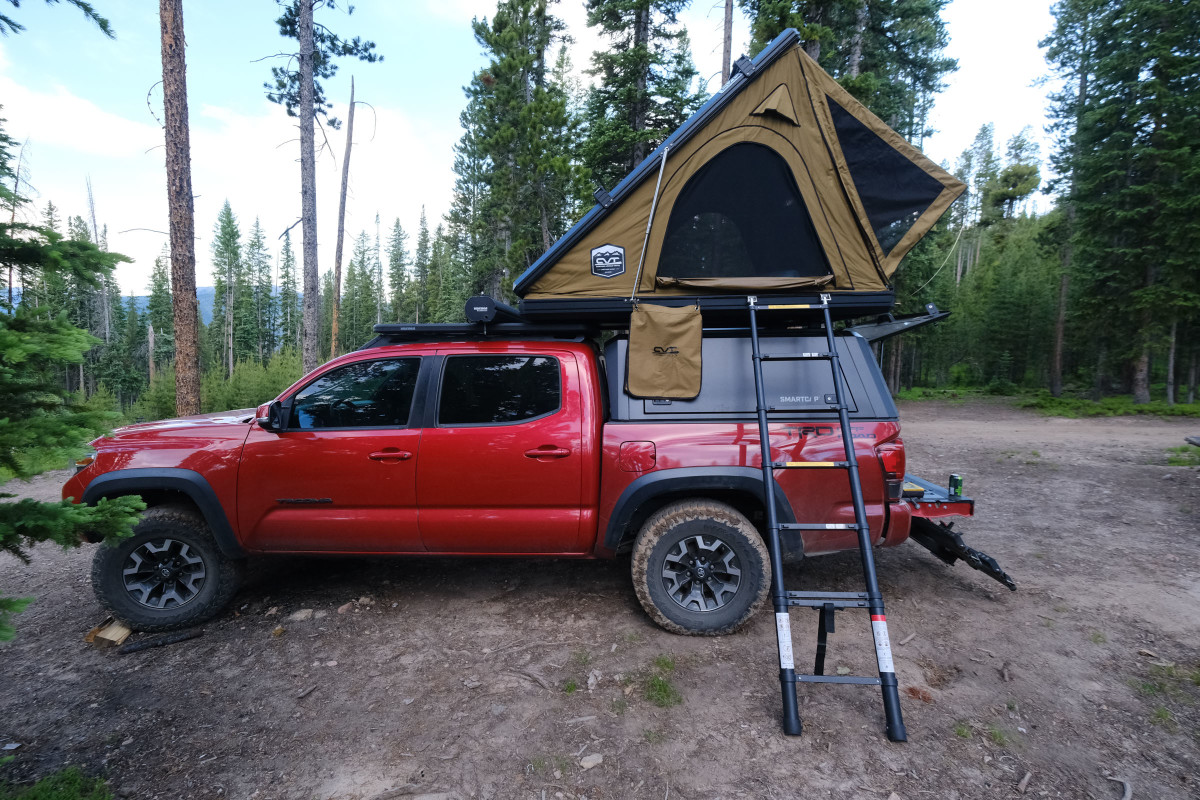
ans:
(391, 455)
(547, 451)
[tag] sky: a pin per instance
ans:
(86, 107)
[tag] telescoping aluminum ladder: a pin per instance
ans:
(826, 603)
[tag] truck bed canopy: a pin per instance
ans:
(781, 184)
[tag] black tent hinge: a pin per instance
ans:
(742, 66)
(603, 198)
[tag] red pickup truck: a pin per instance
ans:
(448, 442)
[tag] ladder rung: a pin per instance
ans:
(829, 595)
(855, 679)
(795, 356)
(818, 526)
(786, 307)
(835, 599)
(809, 464)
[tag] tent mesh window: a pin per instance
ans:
(741, 216)
(894, 191)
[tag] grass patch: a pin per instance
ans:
(619, 706)
(1163, 716)
(1098, 638)
(664, 663)
(570, 687)
(1118, 406)
(69, 784)
(654, 737)
(962, 730)
(998, 736)
(581, 657)
(661, 693)
(1186, 455)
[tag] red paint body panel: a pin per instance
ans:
(473, 490)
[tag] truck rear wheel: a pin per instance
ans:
(700, 568)
(169, 574)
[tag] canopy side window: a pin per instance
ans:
(741, 216)
(894, 191)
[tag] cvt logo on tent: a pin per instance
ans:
(608, 261)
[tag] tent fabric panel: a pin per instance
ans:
(894, 191)
(822, 88)
(778, 102)
(740, 216)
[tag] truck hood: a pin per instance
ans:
(241, 416)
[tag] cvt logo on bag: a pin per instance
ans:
(608, 261)
(666, 351)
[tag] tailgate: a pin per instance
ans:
(931, 501)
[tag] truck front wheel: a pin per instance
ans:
(169, 574)
(700, 568)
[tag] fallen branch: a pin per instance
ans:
(160, 641)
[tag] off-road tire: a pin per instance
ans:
(667, 534)
(182, 525)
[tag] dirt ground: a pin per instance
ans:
(449, 678)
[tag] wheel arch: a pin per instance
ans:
(739, 487)
(159, 486)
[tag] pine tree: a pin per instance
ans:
(887, 53)
(399, 299)
(289, 297)
(40, 425)
(160, 315)
(262, 291)
(1134, 159)
(227, 268)
(421, 272)
(645, 84)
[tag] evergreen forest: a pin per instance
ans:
(1093, 298)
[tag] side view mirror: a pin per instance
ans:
(269, 416)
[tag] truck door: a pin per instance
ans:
(501, 467)
(342, 476)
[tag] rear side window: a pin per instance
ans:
(366, 394)
(498, 390)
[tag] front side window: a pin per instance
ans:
(498, 390)
(366, 394)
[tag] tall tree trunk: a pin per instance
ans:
(1060, 328)
(727, 49)
(310, 356)
(1171, 363)
(179, 200)
(341, 234)
(150, 348)
(1141, 372)
(1191, 395)
(856, 41)
(641, 39)
(1098, 384)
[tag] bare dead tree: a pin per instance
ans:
(179, 201)
(341, 227)
(727, 51)
(310, 355)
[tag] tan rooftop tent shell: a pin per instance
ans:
(847, 166)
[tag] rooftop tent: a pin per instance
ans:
(781, 184)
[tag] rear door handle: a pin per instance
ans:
(547, 451)
(391, 455)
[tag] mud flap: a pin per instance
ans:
(939, 539)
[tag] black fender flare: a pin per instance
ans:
(185, 481)
(697, 481)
